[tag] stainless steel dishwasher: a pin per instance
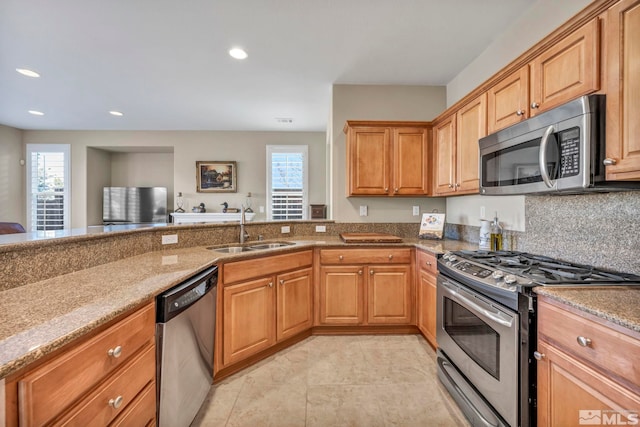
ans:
(185, 325)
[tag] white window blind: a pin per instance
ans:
(287, 179)
(48, 187)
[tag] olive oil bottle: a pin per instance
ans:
(496, 235)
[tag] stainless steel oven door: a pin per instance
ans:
(480, 337)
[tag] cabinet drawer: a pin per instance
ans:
(366, 256)
(51, 388)
(142, 412)
(126, 384)
(427, 261)
(260, 267)
(609, 350)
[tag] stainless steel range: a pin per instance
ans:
(486, 328)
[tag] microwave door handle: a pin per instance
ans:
(542, 158)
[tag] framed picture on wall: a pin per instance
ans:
(216, 177)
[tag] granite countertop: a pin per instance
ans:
(617, 304)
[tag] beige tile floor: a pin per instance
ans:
(354, 381)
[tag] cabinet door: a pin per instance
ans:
(249, 319)
(368, 160)
(295, 302)
(568, 69)
(410, 161)
(623, 90)
(427, 306)
(472, 125)
(570, 393)
(341, 295)
(508, 101)
(444, 134)
(389, 294)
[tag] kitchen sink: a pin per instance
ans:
(232, 249)
(270, 245)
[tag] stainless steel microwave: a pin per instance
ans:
(559, 151)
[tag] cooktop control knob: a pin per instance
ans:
(509, 279)
(452, 257)
(497, 274)
(446, 255)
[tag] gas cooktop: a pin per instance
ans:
(520, 268)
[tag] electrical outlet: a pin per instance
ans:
(482, 212)
(363, 210)
(169, 239)
(321, 228)
(285, 229)
(416, 210)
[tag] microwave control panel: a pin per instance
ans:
(569, 152)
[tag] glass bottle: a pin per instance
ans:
(179, 202)
(496, 235)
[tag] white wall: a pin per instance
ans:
(12, 176)
(247, 148)
(366, 102)
(543, 17)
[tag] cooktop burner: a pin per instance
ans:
(542, 270)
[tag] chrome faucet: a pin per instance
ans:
(243, 234)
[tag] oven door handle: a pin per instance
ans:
(542, 158)
(492, 315)
(445, 366)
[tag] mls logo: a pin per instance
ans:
(590, 417)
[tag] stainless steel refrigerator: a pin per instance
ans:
(134, 205)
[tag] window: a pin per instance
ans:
(287, 182)
(48, 185)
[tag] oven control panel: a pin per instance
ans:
(484, 274)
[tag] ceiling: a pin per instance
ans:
(164, 63)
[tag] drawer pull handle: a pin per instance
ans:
(340, 257)
(115, 352)
(584, 342)
(116, 403)
(390, 257)
(538, 355)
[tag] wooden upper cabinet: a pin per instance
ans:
(387, 158)
(508, 101)
(444, 151)
(456, 152)
(623, 90)
(567, 70)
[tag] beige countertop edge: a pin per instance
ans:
(33, 322)
(617, 304)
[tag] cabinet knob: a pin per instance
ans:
(538, 355)
(395, 189)
(584, 341)
(282, 281)
(116, 403)
(371, 272)
(520, 113)
(390, 257)
(340, 257)
(360, 272)
(450, 185)
(609, 162)
(115, 352)
(428, 263)
(534, 105)
(271, 284)
(386, 189)
(457, 184)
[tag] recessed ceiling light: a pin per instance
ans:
(116, 113)
(36, 112)
(28, 73)
(238, 53)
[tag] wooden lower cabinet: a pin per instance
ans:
(365, 294)
(249, 319)
(97, 381)
(294, 303)
(595, 381)
(265, 301)
(427, 303)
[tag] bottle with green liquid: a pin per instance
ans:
(496, 235)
